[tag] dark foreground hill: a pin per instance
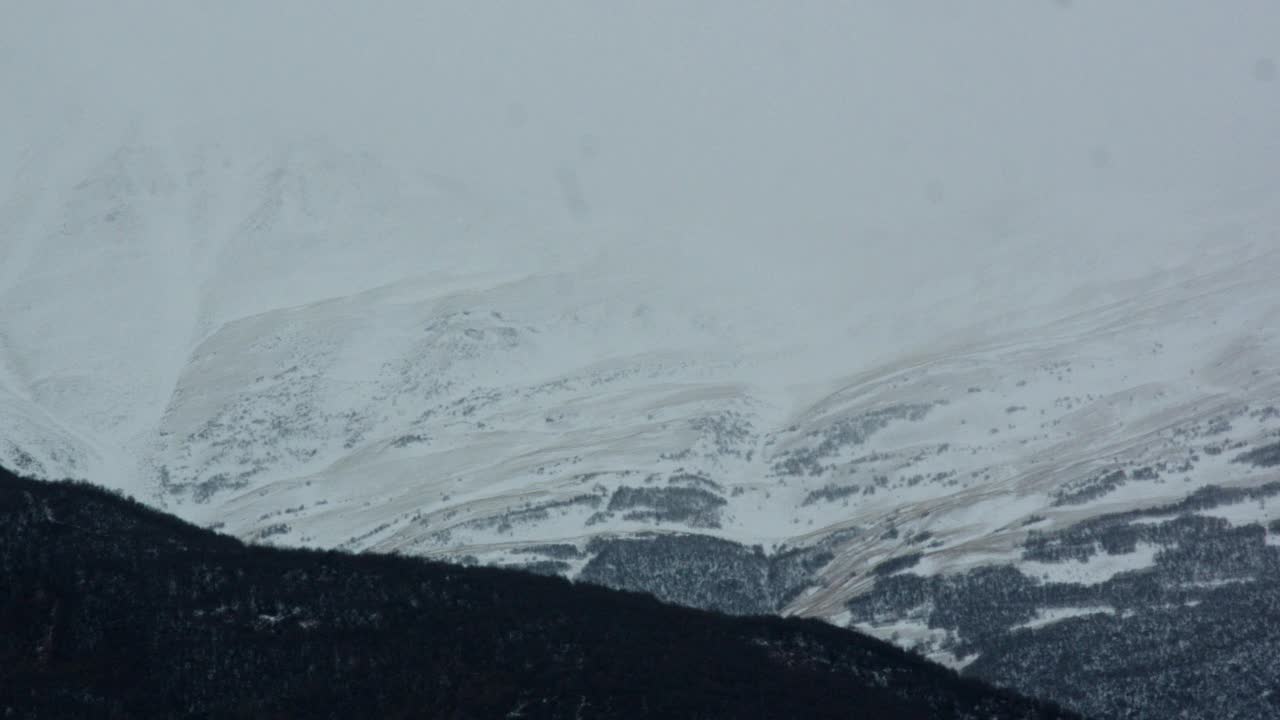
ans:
(111, 609)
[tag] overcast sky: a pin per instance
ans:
(805, 144)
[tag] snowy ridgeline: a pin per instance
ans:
(480, 416)
(572, 417)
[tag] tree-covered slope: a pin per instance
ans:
(110, 609)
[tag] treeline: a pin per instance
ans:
(110, 609)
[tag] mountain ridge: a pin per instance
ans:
(448, 400)
(114, 609)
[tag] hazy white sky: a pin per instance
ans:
(802, 147)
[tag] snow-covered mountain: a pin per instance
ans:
(204, 330)
(843, 355)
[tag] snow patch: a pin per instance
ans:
(1048, 616)
(1098, 568)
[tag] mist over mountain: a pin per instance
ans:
(870, 314)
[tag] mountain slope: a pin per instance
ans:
(439, 389)
(111, 609)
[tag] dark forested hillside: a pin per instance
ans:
(110, 609)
